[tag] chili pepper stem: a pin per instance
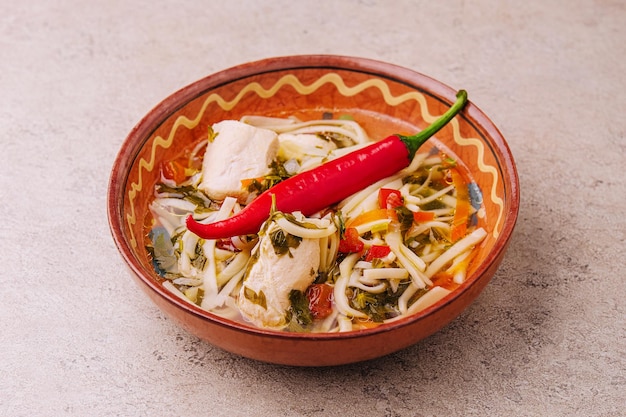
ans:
(413, 142)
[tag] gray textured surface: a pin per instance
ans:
(546, 338)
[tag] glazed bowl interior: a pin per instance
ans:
(385, 99)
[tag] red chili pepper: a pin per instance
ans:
(313, 190)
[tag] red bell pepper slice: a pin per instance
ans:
(350, 242)
(377, 251)
(389, 198)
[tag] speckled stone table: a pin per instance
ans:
(546, 337)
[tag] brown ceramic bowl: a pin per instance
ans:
(386, 99)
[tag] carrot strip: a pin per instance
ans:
(462, 210)
(372, 215)
(423, 216)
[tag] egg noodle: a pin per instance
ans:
(384, 253)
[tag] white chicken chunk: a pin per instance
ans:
(264, 296)
(238, 152)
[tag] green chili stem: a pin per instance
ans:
(415, 141)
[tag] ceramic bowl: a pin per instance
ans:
(386, 99)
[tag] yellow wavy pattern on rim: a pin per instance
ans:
(293, 81)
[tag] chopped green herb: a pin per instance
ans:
(433, 205)
(255, 187)
(189, 193)
(293, 220)
(300, 308)
(379, 306)
(405, 217)
(255, 298)
(417, 178)
(200, 259)
(282, 241)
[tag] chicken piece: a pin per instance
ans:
(238, 152)
(264, 296)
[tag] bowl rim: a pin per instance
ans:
(141, 132)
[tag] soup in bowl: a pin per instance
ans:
(313, 210)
